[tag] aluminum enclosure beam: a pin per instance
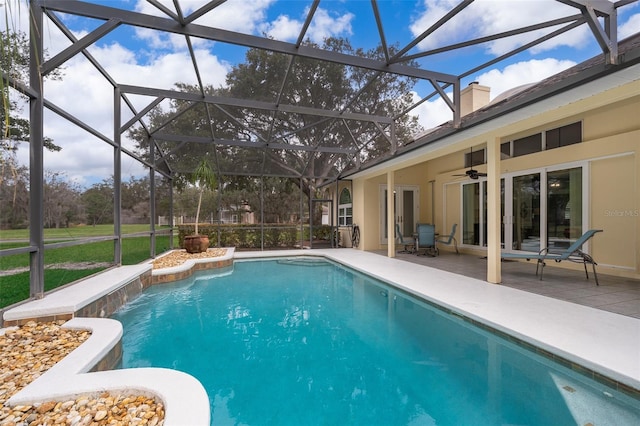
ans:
(171, 26)
(250, 144)
(248, 103)
(36, 158)
(606, 37)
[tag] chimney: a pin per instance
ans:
(473, 97)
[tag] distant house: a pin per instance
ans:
(535, 168)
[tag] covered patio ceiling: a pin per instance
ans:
(263, 142)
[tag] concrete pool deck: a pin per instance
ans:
(604, 343)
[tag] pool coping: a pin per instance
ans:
(95, 296)
(593, 342)
(185, 399)
(189, 267)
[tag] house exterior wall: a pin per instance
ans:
(609, 150)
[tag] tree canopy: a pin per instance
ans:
(242, 141)
(14, 61)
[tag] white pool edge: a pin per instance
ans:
(184, 398)
(191, 263)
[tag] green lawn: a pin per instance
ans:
(73, 232)
(15, 287)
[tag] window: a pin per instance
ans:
(563, 136)
(345, 208)
(554, 138)
(528, 145)
(505, 150)
(474, 158)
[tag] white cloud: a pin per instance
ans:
(434, 113)
(86, 94)
(323, 25)
(233, 15)
(237, 15)
(283, 28)
(520, 73)
(487, 17)
(247, 17)
(632, 26)
(431, 113)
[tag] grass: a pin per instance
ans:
(15, 287)
(62, 234)
(134, 250)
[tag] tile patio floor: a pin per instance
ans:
(614, 294)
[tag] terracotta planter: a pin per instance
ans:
(196, 243)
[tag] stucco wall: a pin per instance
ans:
(611, 141)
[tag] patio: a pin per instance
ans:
(614, 294)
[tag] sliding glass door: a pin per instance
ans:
(406, 209)
(471, 199)
(564, 207)
(541, 209)
(526, 212)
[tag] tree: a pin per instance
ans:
(14, 195)
(309, 83)
(135, 200)
(61, 201)
(322, 85)
(98, 203)
(204, 179)
(281, 200)
(14, 60)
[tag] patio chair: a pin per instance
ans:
(451, 238)
(409, 247)
(573, 253)
(426, 239)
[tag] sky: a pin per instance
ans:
(148, 58)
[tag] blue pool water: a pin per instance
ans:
(308, 342)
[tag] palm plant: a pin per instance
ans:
(204, 178)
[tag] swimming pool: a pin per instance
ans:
(305, 341)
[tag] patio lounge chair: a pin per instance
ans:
(573, 253)
(409, 247)
(451, 238)
(426, 239)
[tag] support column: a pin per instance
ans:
(391, 215)
(36, 157)
(262, 213)
(152, 200)
(117, 179)
(302, 215)
(336, 200)
(494, 272)
(172, 224)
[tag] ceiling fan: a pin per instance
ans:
(472, 173)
